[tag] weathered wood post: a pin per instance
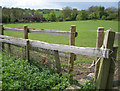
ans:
(72, 55)
(27, 50)
(99, 43)
(26, 30)
(2, 33)
(9, 49)
(57, 60)
(112, 69)
(102, 79)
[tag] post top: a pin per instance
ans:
(73, 25)
(25, 25)
(100, 28)
(111, 30)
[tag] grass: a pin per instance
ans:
(86, 31)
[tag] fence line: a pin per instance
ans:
(41, 31)
(52, 32)
(64, 48)
(106, 53)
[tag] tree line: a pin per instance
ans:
(12, 15)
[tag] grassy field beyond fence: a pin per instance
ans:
(87, 31)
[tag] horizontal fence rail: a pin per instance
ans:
(41, 31)
(52, 32)
(64, 48)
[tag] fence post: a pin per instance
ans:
(72, 55)
(2, 33)
(103, 73)
(25, 32)
(26, 56)
(112, 69)
(27, 50)
(99, 43)
(57, 60)
(9, 49)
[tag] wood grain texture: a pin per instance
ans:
(57, 61)
(99, 43)
(41, 31)
(102, 78)
(64, 48)
(72, 55)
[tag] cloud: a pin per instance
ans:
(35, 4)
(29, 4)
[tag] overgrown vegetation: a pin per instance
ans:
(21, 75)
(88, 86)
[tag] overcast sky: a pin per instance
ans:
(59, 4)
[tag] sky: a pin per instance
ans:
(58, 4)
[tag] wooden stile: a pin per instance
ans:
(99, 43)
(72, 55)
(102, 79)
(57, 61)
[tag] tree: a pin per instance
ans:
(74, 14)
(82, 15)
(52, 16)
(5, 18)
(111, 10)
(66, 12)
(103, 17)
(93, 15)
(100, 12)
(112, 16)
(92, 9)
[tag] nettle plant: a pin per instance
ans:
(20, 74)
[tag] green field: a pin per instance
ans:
(87, 31)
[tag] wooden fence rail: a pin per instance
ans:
(64, 48)
(41, 31)
(50, 31)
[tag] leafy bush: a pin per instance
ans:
(21, 75)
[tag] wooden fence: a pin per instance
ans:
(107, 52)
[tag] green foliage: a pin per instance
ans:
(100, 12)
(94, 12)
(103, 17)
(52, 16)
(67, 12)
(19, 74)
(74, 14)
(89, 86)
(112, 16)
(93, 15)
(5, 18)
(82, 15)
